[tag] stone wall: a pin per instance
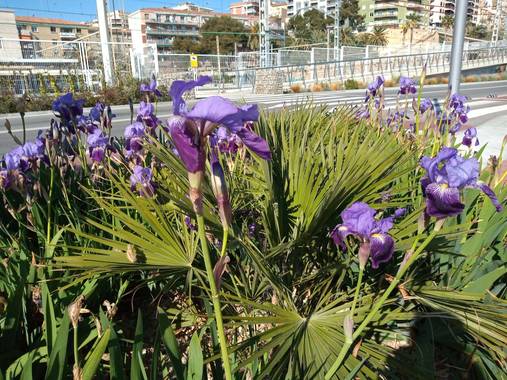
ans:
(269, 82)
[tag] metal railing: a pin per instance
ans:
(37, 66)
(367, 69)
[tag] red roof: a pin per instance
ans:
(44, 20)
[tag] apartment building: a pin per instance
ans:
(295, 7)
(441, 8)
(45, 37)
(161, 25)
(244, 8)
(10, 49)
(118, 24)
(391, 14)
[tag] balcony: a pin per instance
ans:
(193, 33)
(67, 35)
(391, 14)
(173, 21)
(386, 5)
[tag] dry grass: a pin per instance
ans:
(296, 88)
(316, 87)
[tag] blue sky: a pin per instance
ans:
(84, 10)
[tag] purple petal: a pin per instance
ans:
(97, 154)
(359, 218)
(255, 143)
(443, 201)
(214, 109)
(462, 172)
(184, 139)
(339, 234)
(491, 195)
(381, 249)
(179, 87)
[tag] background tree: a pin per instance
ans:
(349, 15)
(230, 31)
(186, 45)
(447, 24)
(378, 36)
(410, 24)
(253, 37)
(308, 25)
(479, 32)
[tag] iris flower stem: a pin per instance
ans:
(356, 293)
(346, 346)
(50, 199)
(76, 353)
(214, 296)
(224, 242)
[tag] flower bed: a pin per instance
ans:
(220, 243)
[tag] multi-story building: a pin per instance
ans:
(441, 8)
(245, 8)
(391, 14)
(10, 47)
(117, 22)
(47, 37)
(295, 7)
(161, 25)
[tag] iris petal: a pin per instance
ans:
(183, 136)
(443, 201)
(491, 195)
(179, 87)
(381, 249)
(255, 143)
(359, 218)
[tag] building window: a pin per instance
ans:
(53, 29)
(1, 43)
(35, 29)
(78, 30)
(54, 43)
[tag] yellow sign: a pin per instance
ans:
(193, 61)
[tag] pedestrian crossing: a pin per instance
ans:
(357, 98)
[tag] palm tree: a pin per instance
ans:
(447, 24)
(411, 23)
(253, 37)
(378, 36)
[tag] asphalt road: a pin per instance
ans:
(488, 96)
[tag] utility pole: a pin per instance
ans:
(219, 63)
(264, 33)
(496, 22)
(104, 41)
(458, 40)
(337, 31)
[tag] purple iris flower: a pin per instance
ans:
(374, 87)
(99, 110)
(146, 114)
(134, 135)
(191, 127)
(458, 109)
(5, 179)
(468, 137)
(426, 104)
(97, 144)
(189, 224)
(13, 159)
(407, 86)
(359, 220)
(67, 108)
(142, 181)
(446, 175)
(152, 87)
